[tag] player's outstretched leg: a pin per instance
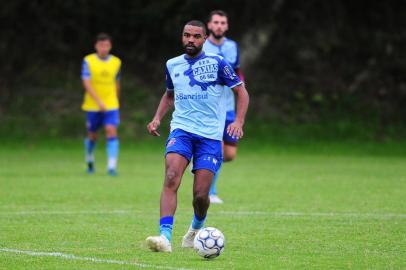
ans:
(89, 155)
(201, 203)
(175, 167)
(162, 243)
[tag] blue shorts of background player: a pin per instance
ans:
(207, 153)
(96, 120)
(227, 139)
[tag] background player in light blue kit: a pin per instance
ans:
(217, 43)
(195, 86)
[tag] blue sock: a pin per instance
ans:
(89, 147)
(165, 227)
(198, 223)
(112, 147)
(213, 187)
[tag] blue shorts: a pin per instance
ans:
(227, 139)
(207, 153)
(95, 120)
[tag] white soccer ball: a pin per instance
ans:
(209, 242)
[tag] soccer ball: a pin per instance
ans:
(209, 243)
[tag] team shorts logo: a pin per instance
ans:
(171, 142)
(211, 159)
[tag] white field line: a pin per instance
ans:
(314, 214)
(230, 213)
(71, 212)
(89, 259)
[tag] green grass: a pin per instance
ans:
(319, 206)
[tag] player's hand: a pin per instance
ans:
(101, 106)
(153, 126)
(235, 130)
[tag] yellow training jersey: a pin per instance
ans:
(103, 75)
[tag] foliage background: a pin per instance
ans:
(315, 69)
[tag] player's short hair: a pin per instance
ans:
(198, 24)
(103, 36)
(219, 12)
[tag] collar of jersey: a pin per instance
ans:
(103, 59)
(219, 45)
(192, 60)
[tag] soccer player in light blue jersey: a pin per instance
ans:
(195, 87)
(217, 43)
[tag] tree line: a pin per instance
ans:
(302, 59)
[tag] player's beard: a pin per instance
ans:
(192, 50)
(218, 37)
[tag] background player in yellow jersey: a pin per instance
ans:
(101, 80)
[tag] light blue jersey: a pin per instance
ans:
(228, 50)
(198, 86)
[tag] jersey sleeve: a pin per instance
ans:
(227, 75)
(231, 53)
(237, 61)
(85, 74)
(169, 83)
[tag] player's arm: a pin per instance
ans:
(164, 105)
(88, 85)
(240, 74)
(89, 88)
(230, 79)
(237, 68)
(235, 129)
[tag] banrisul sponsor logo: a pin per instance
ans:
(182, 96)
(205, 70)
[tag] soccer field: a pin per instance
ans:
(295, 209)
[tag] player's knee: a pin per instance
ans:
(171, 179)
(229, 155)
(111, 131)
(92, 136)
